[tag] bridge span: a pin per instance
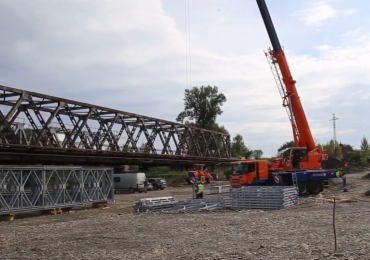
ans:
(42, 129)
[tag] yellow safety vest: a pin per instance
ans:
(200, 188)
(337, 174)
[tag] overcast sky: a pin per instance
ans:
(131, 55)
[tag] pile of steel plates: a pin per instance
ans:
(250, 198)
(265, 198)
(171, 205)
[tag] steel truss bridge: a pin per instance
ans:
(41, 129)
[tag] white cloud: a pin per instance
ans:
(130, 55)
(321, 11)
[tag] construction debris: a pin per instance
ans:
(341, 200)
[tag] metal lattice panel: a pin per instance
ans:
(29, 119)
(32, 188)
(266, 198)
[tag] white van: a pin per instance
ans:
(129, 181)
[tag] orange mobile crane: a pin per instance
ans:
(304, 154)
(300, 165)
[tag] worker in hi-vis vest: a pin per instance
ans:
(338, 174)
(341, 174)
(199, 190)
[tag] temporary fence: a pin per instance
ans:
(35, 188)
(265, 198)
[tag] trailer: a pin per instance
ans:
(257, 173)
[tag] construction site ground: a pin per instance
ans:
(302, 232)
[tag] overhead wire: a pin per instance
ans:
(187, 44)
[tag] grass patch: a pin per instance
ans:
(173, 177)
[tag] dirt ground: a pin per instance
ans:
(302, 232)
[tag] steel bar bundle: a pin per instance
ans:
(35, 188)
(171, 205)
(265, 198)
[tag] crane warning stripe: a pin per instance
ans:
(277, 179)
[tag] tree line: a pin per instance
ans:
(340, 150)
(202, 106)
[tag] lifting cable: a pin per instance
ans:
(187, 43)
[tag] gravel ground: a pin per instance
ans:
(302, 232)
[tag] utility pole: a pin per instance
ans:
(334, 133)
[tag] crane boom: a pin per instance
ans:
(304, 154)
(286, 84)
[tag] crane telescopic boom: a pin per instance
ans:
(312, 156)
(291, 98)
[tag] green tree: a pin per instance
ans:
(365, 149)
(239, 149)
(333, 149)
(219, 128)
(257, 154)
(286, 145)
(202, 105)
(144, 147)
(355, 155)
(347, 150)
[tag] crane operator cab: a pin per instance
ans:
(299, 158)
(293, 156)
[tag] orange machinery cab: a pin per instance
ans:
(253, 172)
(199, 172)
(298, 158)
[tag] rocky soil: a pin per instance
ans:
(302, 232)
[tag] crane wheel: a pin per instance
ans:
(302, 188)
(315, 187)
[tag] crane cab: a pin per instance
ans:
(254, 172)
(295, 158)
